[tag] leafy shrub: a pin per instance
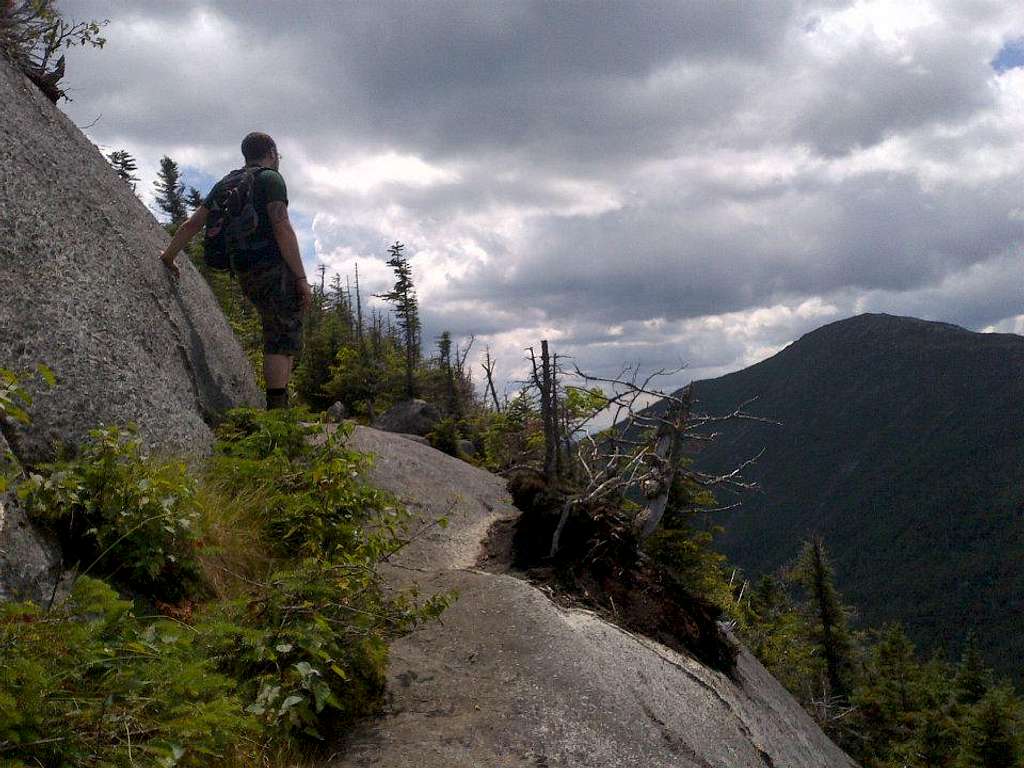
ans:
(250, 433)
(295, 645)
(445, 436)
(311, 636)
(33, 32)
(311, 643)
(122, 513)
(90, 684)
(310, 499)
(14, 397)
(512, 437)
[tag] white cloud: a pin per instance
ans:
(691, 182)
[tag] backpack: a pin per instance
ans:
(232, 221)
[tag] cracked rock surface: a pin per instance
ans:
(83, 291)
(511, 679)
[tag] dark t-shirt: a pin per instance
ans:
(270, 188)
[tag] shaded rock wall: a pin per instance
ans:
(30, 564)
(82, 290)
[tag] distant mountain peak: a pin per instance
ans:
(899, 440)
(880, 322)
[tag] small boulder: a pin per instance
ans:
(30, 563)
(466, 448)
(411, 417)
(336, 413)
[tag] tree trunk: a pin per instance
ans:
(488, 366)
(547, 409)
(667, 450)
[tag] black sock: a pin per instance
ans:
(277, 398)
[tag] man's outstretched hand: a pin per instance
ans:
(168, 261)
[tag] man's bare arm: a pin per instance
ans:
(289, 245)
(181, 238)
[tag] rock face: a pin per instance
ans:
(83, 291)
(412, 417)
(30, 564)
(510, 679)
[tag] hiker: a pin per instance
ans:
(266, 260)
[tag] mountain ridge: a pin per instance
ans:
(899, 444)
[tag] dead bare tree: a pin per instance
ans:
(545, 380)
(642, 451)
(488, 366)
(32, 33)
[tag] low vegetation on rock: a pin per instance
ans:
(32, 35)
(230, 615)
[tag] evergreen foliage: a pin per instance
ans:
(992, 732)
(813, 572)
(170, 191)
(682, 545)
(193, 199)
(973, 678)
(901, 711)
(403, 297)
(124, 165)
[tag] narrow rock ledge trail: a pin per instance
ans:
(510, 679)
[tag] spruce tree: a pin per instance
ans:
(444, 348)
(403, 297)
(814, 573)
(170, 191)
(125, 166)
(991, 737)
(193, 199)
(973, 678)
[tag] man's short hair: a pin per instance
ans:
(256, 146)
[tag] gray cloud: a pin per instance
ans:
(875, 91)
(698, 181)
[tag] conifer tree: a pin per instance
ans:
(444, 347)
(991, 739)
(193, 199)
(125, 166)
(814, 573)
(403, 297)
(170, 191)
(973, 678)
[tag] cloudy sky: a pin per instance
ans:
(695, 182)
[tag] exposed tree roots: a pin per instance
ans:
(597, 567)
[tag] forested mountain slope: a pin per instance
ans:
(902, 443)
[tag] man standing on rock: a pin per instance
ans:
(269, 267)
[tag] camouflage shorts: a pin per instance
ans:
(271, 286)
